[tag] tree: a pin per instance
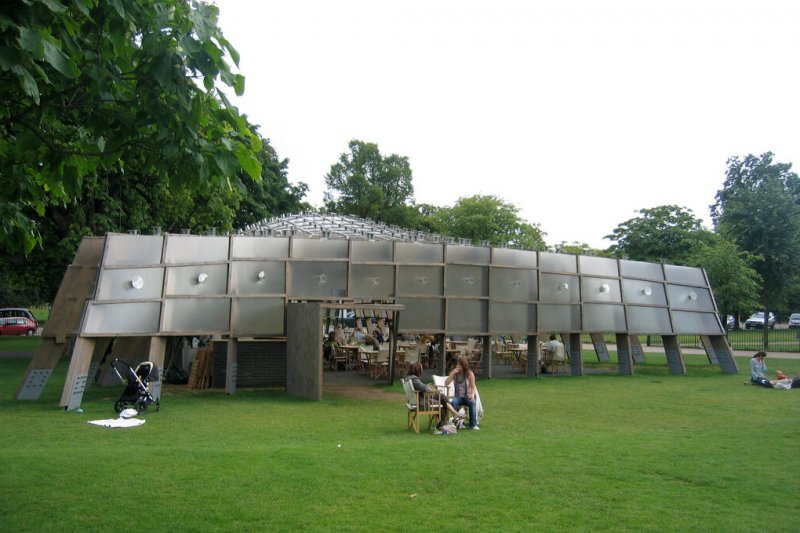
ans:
(579, 248)
(95, 90)
(758, 208)
(735, 282)
(487, 218)
(666, 232)
(364, 183)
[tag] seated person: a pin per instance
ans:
(415, 375)
(758, 370)
(330, 347)
(339, 335)
(555, 351)
(464, 389)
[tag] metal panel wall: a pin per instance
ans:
(253, 278)
(507, 318)
(129, 250)
(122, 318)
(130, 284)
(513, 284)
(463, 280)
(372, 281)
(320, 280)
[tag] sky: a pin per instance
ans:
(577, 112)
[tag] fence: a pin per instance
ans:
(778, 340)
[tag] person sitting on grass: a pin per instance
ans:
(758, 375)
(415, 375)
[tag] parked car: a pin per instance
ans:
(730, 322)
(756, 320)
(9, 312)
(794, 320)
(18, 325)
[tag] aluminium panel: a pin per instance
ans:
(599, 266)
(641, 269)
(694, 298)
(209, 315)
(253, 278)
(600, 290)
(604, 318)
(552, 262)
(464, 280)
(559, 318)
(130, 284)
(122, 318)
(513, 284)
(321, 280)
(374, 282)
(643, 292)
(505, 318)
(514, 258)
(417, 252)
(420, 280)
(690, 323)
(559, 288)
(197, 280)
(127, 250)
(195, 249)
(468, 316)
(422, 314)
(372, 251)
(685, 274)
(649, 320)
(478, 255)
(319, 248)
(246, 247)
(258, 316)
(90, 252)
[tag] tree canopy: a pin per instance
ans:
(758, 208)
(91, 90)
(488, 218)
(660, 233)
(364, 183)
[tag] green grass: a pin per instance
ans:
(650, 452)
(19, 343)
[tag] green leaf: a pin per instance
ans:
(53, 5)
(29, 85)
(249, 163)
(59, 61)
(31, 41)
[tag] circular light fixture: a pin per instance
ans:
(564, 286)
(423, 280)
(137, 282)
(261, 275)
(647, 291)
(202, 277)
(469, 280)
(692, 295)
(604, 287)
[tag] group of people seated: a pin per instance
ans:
(465, 391)
(758, 375)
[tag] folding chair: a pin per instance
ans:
(420, 404)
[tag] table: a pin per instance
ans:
(351, 353)
(520, 353)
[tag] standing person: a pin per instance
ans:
(758, 370)
(464, 381)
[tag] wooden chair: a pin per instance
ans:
(420, 404)
(380, 365)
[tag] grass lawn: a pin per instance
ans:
(650, 452)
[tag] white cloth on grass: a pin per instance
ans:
(117, 422)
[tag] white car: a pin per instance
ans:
(794, 320)
(756, 320)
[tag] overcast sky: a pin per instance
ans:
(578, 112)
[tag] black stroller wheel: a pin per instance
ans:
(119, 406)
(141, 406)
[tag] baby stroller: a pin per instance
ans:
(135, 394)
